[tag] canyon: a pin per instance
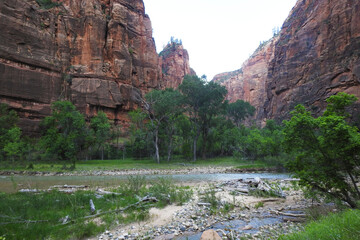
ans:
(101, 55)
(315, 55)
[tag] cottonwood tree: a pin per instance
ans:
(327, 150)
(203, 101)
(162, 108)
(101, 129)
(64, 132)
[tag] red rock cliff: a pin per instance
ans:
(99, 54)
(316, 55)
(174, 64)
(249, 82)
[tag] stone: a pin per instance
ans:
(247, 227)
(99, 54)
(316, 55)
(210, 235)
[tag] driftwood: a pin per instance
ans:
(69, 186)
(289, 214)
(103, 192)
(92, 206)
(203, 204)
(29, 190)
(145, 199)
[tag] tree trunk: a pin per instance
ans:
(169, 149)
(354, 183)
(170, 139)
(157, 156)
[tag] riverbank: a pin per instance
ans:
(132, 167)
(120, 172)
(236, 215)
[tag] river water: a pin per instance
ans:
(10, 184)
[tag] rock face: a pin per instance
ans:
(316, 55)
(99, 54)
(249, 82)
(175, 65)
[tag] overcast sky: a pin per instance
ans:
(218, 34)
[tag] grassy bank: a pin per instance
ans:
(342, 226)
(128, 163)
(57, 215)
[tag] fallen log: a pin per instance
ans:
(203, 204)
(145, 199)
(103, 192)
(289, 214)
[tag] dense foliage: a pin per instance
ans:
(196, 119)
(327, 150)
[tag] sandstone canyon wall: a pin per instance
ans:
(174, 65)
(99, 54)
(316, 55)
(249, 82)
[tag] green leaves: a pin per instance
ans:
(64, 131)
(239, 111)
(327, 149)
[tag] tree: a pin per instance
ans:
(203, 102)
(64, 132)
(14, 145)
(9, 133)
(327, 150)
(101, 128)
(163, 108)
(239, 111)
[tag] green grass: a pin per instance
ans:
(38, 216)
(129, 163)
(342, 226)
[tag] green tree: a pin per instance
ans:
(64, 132)
(203, 101)
(9, 132)
(14, 145)
(239, 111)
(138, 133)
(163, 108)
(327, 150)
(101, 128)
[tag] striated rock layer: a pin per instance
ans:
(99, 54)
(316, 55)
(249, 82)
(174, 64)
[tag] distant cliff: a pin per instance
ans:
(316, 55)
(99, 54)
(174, 64)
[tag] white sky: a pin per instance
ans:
(218, 34)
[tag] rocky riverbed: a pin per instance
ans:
(185, 169)
(237, 214)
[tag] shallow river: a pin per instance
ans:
(14, 183)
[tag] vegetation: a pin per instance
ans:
(170, 47)
(326, 150)
(64, 132)
(57, 215)
(47, 4)
(344, 226)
